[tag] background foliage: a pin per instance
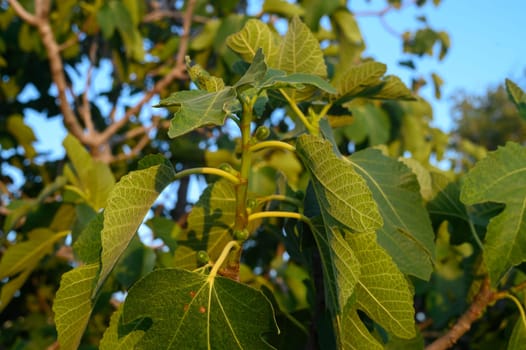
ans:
(322, 193)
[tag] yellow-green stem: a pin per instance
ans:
(221, 259)
(280, 197)
(278, 214)
(272, 144)
(207, 171)
(246, 157)
(313, 129)
(518, 304)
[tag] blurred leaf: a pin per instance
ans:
(347, 24)
(203, 79)
(89, 244)
(197, 108)
(283, 8)
(422, 175)
(371, 119)
(437, 84)
(20, 208)
(9, 289)
(209, 225)
(92, 177)
(23, 134)
(192, 310)
(518, 336)
(23, 257)
(205, 39)
(407, 234)
(499, 178)
(165, 229)
(314, 10)
(128, 203)
(517, 96)
(73, 304)
(136, 261)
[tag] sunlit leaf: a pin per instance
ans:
(355, 335)
(517, 96)
(500, 178)
(343, 195)
(392, 88)
(300, 52)
(195, 311)
(128, 203)
(73, 304)
(407, 234)
(383, 292)
(197, 108)
(357, 78)
(254, 35)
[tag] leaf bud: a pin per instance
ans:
(262, 133)
(241, 235)
(202, 258)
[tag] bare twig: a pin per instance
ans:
(177, 72)
(41, 22)
(68, 43)
(519, 287)
(22, 13)
(85, 107)
(157, 15)
(483, 298)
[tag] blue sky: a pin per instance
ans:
(487, 46)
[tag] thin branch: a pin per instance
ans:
(69, 42)
(483, 298)
(519, 287)
(157, 15)
(23, 13)
(176, 72)
(85, 107)
(41, 22)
